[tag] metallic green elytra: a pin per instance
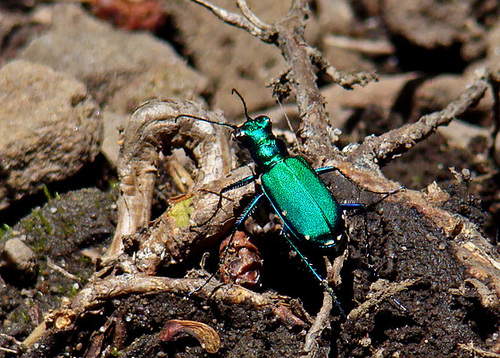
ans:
(304, 204)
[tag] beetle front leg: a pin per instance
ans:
(239, 184)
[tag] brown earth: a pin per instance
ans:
(407, 284)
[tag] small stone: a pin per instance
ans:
(19, 257)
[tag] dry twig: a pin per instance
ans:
(94, 295)
(383, 148)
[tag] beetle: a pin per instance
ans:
(310, 213)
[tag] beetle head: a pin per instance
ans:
(253, 130)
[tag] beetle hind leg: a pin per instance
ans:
(321, 280)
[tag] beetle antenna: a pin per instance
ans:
(242, 101)
(233, 127)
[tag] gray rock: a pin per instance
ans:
(19, 257)
(121, 69)
(50, 128)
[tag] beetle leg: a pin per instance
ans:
(315, 273)
(233, 186)
(248, 210)
(239, 184)
(352, 206)
(246, 213)
(324, 170)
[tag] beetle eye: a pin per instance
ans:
(264, 121)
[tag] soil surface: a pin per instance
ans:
(71, 77)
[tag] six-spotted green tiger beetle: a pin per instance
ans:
(310, 213)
